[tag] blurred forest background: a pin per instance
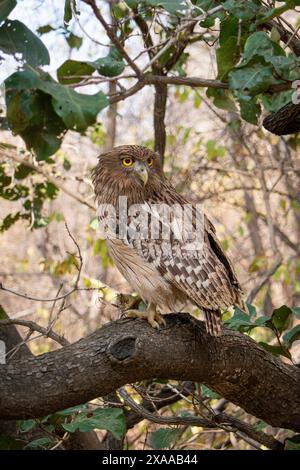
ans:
(216, 152)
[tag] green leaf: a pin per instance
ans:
(227, 56)
(15, 38)
(164, 438)
(293, 443)
(111, 419)
(214, 151)
(67, 13)
(30, 114)
(222, 99)
(252, 310)
(45, 29)
(132, 3)
(255, 79)
(240, 321)
(273, 13)
(260, 426)
(291, 336)
(9, 220)
(111, 65)
(274, 102)
(72, 410)
(260, 45)
(275, 350)
(244, 10)
(284, 65)
(43, 443)
(281, 318)
(78, 111)
(26, 425)
(74, 41)
(208, 393)
(263, 321)
(250, 109)
(6, 6)
(171, 6)
(72, 71)
(23, 171)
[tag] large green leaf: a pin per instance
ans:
(72, 71)
(111, 419)
(6, 6)
(78, 111)
(281, 318)
(274, 101)
(260, 45)
(31, 115)
(164, 438)
(15, 38)
(255, 79)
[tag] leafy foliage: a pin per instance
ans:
(278, 324)
(31, 94)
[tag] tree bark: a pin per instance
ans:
(130, 350)
(160, 102)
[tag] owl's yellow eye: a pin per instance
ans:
(127, 161)
(150, 161)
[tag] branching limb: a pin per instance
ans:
(127, 351)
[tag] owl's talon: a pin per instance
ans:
(153, 317)
(136, 314)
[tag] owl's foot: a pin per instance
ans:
(154, 318)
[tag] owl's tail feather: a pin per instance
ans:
(213, 322)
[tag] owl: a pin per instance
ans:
(167, 268)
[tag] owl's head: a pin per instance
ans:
(127, 170)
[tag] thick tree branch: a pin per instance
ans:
(129, 350)
(203, 82)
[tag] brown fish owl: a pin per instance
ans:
(165, 273)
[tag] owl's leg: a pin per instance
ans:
(151, 315)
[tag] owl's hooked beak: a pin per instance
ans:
(141, 171)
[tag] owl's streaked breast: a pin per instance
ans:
(144, 277)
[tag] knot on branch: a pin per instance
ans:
(123, 350)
